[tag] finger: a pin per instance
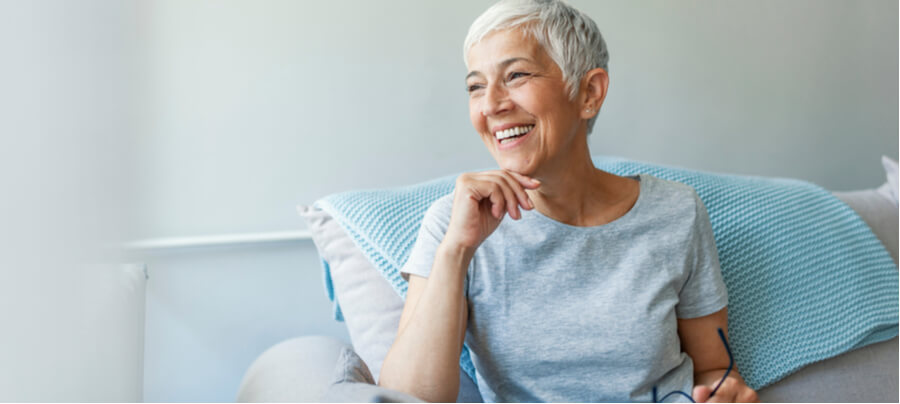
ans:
(486, 194)
(747, 395)
(725, 394)
(512, 203)
(513, 199)
(701, 393)
(498, 200)
(516, 186)
(525, 180)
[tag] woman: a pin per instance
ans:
(601, 288)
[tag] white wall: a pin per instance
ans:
(256, 106)
(211, 311)
(71, 316)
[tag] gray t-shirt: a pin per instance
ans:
(586, 314)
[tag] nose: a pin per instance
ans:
(496, 100)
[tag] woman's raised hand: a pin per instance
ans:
(480, 201)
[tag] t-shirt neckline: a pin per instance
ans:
(642, 191)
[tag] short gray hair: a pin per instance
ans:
(570, 37)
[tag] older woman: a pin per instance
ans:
(601, 288)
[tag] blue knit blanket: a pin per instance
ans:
(807, 279)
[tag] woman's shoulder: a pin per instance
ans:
(441, 206)
(439, 211)
(672, 196)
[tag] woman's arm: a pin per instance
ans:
(700, 340)
(424, 359)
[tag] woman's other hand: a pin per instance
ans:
(732, 390)
(480, 201)
(703, 343)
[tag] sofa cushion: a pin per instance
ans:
(878, 212)
(295, 370)
(868, 374)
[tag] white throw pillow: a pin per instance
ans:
(890, 188)
(370, 306)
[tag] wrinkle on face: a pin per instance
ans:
(540, 97)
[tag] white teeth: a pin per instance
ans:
(503, 134)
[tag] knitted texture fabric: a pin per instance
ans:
(807, 279)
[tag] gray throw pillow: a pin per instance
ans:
(353, 383)
(889, 189)
(350, 368)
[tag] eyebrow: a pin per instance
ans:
(502, 65)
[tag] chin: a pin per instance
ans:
(514, 165)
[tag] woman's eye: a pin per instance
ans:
(515, 75)
(473, 87)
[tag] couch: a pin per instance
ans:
(321, 369)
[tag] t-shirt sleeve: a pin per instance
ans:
(703, 292)
(431, 233)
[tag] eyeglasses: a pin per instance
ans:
(730, 366)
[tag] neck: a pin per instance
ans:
(575, 192)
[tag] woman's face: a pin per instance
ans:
(516, 89)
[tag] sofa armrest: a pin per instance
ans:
(868, 374)
(304, 369)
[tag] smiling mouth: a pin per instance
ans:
(511, 134)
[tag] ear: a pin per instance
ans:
(594, 85)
